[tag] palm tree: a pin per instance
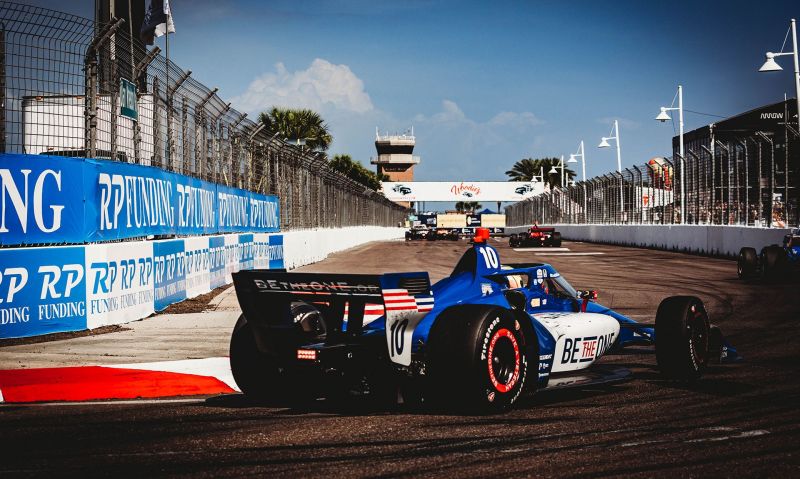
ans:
(297, 126)
(468, 206)
(356, 171)
(526, 168)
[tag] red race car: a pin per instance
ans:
(535, 237)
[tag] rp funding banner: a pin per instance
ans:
(41, 200)
(71, 288)
(50, 199)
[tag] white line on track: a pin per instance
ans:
(593, 253)
(740, 435)
(540, 249)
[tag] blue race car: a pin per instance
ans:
(774, 262)
(474, 341)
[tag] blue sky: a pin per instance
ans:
(486, 83)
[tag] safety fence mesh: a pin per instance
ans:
(751, 180)
(64, 81)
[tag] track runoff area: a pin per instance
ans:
(739, 419)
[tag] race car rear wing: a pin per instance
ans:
(265, 297)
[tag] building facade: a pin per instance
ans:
(746, 168)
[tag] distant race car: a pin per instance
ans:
(774, 262)
(418, 232)
(534, 237)
(473, 342)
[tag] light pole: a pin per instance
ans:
(772, 66)
(572, 159)
(553, 170)
(604, 144)
(664, 116)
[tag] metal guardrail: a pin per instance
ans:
(60, 84)
(749, 181)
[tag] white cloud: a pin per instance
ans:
(321, 86)
(518, 120)
(455, 146)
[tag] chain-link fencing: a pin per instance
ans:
(73, 87)
(751, 181)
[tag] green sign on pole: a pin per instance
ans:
(127, 96)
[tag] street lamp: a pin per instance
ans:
(572, 159)
(582, 155)
(604, 144)
(772, 66)
(664, 116)
(553, 170)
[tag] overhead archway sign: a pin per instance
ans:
(461, 190)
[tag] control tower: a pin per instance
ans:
(395, 155)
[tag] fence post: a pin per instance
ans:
(201, 129)
(137, 130)
(157, 142)
(2, 88)
(174, 165)
(90, 87)
(771, 176)
(746, 182)
(185, 144)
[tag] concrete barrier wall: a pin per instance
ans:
(309, 246)
(710, 240)
(52, 289)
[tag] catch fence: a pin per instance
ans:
(749, 181)
(73, 87)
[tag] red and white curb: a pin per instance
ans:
(190, 377)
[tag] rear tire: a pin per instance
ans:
(256, 373)
(477, 359)
(259, 373)
(682, 338)
(555, 240)
(773, 261)
(747, 264)
(513, 242)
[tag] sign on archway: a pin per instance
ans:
(461, 190)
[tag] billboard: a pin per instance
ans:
(53, 289)
(461, 190)
(51, 199)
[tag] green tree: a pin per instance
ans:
(526, 168)
(468, 206)
(357, 172)
(301, 126)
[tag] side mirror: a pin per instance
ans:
(589, 294)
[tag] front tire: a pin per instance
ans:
(477, 359)
(747, 263)
(682, 338)
(555, 240)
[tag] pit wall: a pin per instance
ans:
(54, 289)
(708, 240)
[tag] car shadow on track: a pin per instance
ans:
(367, 408)
(708, 384)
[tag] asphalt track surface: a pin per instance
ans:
(741, 420)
